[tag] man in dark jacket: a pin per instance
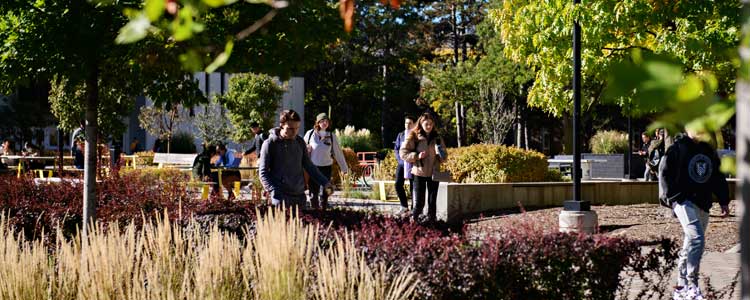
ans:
(401, 174)
(202, 163)
(282, 161)
(257, 142)
(688, 175)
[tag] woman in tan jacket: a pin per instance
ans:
(425, 149)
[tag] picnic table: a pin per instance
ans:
(236, 183)
(568, 163)
(22, 160)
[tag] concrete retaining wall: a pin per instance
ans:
(457, 200)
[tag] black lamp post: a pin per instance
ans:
(576, 204)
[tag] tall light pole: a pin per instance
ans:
(577, 215)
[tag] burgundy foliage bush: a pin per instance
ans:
(521, 262)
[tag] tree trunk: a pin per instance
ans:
(459, 134)
(525, 134)
(743, 175)
(743, 140)
(459, 121)
(89, 172)
(382, 109)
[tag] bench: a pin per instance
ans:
(181, 161)
(563, 164)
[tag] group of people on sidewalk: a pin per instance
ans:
(285, 157)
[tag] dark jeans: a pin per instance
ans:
(418, 190)
(400, 191)
(78, 159)
(315, 188)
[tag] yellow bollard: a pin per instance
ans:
(383, 196)
(20, 169)
(237, 190)
(221, 185)
(49, 174)
(41, 173)
(204, 193)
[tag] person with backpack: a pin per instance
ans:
(688, 176)
(323, 147)
(282, 161)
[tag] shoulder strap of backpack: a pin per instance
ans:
(309, 134)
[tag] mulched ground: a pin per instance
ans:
(645, 222)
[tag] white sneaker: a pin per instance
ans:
(679, 293)
(694, 293)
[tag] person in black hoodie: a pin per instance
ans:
(688, 175)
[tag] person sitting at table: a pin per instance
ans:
(202, 164)
(32, 150)
(227, 159)
(7, 149)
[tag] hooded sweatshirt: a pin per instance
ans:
(690, 171)
(281, 165)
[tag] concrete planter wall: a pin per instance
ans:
(613, 168)
(458, 200)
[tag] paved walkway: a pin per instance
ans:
(720, 268)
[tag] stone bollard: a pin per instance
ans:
(578, 221)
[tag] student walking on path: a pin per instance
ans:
(282, 160)
(323, 147)
(403, 169)
(425, 149)
(688, 175)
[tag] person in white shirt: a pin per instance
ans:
(323, 147)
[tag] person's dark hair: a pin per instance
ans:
(221, 147)
(646, 133)
(410, 117)
(289, 115)
(209, 149)
(420, 131)
(254, 124)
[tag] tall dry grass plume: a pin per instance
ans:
(167, 261)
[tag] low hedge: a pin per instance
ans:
(386, 168)
(351, 160)
(484, 163)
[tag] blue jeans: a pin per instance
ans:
(694, 222)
